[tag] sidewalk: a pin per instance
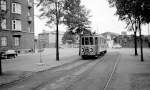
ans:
(26, 64)
(131, 73)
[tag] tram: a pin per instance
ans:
(92, 46)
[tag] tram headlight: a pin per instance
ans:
(91, 49)
(82, 49)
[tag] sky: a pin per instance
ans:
(103, 19)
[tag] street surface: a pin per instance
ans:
(118, 69)
(87, 74)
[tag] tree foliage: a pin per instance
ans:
(48, 10)
(70, 12)
(68, 36)
(137, 9)
(133, 12)
(76, 15)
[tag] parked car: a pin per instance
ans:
(10, 54)
(117, 46)
(2, 55)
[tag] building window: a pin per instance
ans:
(3, 5)
(3, 41)
(16, 8)
(16, 41)
(3, 24)
(16, 25)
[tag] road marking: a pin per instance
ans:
(116, 63)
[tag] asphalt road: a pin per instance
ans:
(79, 75)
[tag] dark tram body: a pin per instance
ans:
(92, 46)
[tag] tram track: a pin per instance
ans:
(101, 78)
(112, 73)
(64, 77)
(67, 82)
(75, 72)
(70, 78)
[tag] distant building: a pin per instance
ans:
(128, 41)
(110, 38)
(123, 33)
(18, 26)
(48, 39)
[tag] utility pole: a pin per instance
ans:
(57, 32)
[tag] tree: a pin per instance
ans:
(137, 9)
(76, 16)
(132, 26)
(53, 11)
(69, 12)
(2, 16)
(68, 36)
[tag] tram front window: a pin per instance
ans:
(86, 41)
(96, 40)
(83, 41)
(91, 41)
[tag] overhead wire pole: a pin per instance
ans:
(57, 32)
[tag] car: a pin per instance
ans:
(2, 55)
(10, 54)
(117, 46)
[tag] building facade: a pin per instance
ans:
(17, 27)
(110, 38)
(127, 41)
(48, 39)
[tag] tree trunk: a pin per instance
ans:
(57, 32)
(141, 43)
(135, 43)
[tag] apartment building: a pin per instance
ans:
(17, 27)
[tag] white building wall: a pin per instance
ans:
(52, 37)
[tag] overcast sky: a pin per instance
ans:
(103, 18)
